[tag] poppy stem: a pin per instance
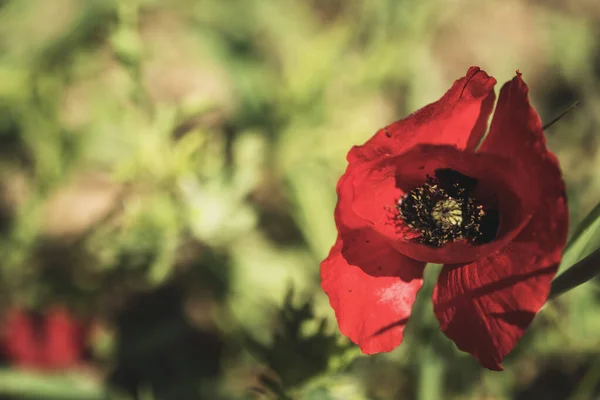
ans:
(578, 274)
(562, 114)
(431, 375)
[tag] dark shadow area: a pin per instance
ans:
(6, 214)
(561, 379)
(158, 348)
(295, 356)
(274, 215)
(555, 94)
(596, 58)
(89, 32)
(12, 147)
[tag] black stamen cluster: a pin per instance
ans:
(443, 209)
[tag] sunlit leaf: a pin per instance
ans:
(45, 387)
(584, 240)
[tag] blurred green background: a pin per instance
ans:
(169, 168)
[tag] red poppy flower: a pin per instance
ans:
(422, 190)
(55, 343)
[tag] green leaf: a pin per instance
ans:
(584, 240)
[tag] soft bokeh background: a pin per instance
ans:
(169, 169)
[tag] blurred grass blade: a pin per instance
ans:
(578, 274)
(586, 387)
(562, 114)
(29, 385)
(584, 240)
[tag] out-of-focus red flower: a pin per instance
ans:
(422, 190)
(57, 342)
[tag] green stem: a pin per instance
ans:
(431, 375)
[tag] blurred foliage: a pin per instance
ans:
(170, 168)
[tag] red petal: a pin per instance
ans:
(371, 288)
(516, 132)
(18, 339)
(62, 346)
(369, 192)
(459, 118)
(486, 306)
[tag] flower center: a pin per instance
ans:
(444, 209)
(447, 213)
